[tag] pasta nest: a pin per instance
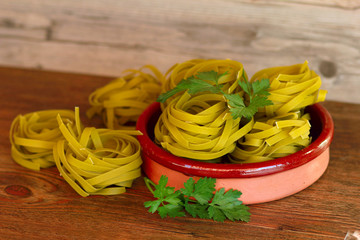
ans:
(199, 127)
(180, 71)
(282, 128)
(121, 101)
(273, 137)
(33, 136)
(98, 161)
(292, 88)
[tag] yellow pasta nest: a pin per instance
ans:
(178, 72)
(33, 135)
(121, 101)
(98, 161)
(291, 88)
(273, 137)
(199, 127)
(281, 129)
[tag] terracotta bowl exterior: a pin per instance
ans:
(258, 182)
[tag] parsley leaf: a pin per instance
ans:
(260, 87)
(207, 205)
(211, 76)
(226, 205)
(194, 84)
(202, 191)
(171, 210)
(153, 205)
(168, 200)
(257, 92)
(245, 86)
(198, 210)
(191, 84)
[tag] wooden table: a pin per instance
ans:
(41, 205)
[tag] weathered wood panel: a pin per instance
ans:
(106, 37)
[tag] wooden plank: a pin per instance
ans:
(28, 25)
(106, 37)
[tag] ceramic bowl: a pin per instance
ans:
(258, 182)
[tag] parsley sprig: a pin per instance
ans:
(257, 92)
(198, 199)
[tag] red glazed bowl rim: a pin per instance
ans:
(232, 170)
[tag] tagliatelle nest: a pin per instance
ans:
(235, 71)
(121, 101)
(199, 127)
(282, 128)
(98, 161)
(291, 88)
(33, 136)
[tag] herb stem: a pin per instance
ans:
(149, 184)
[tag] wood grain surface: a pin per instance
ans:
(105, 37)
(41, 205)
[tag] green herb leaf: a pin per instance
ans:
(161, 190)
(226, 205)
(171, 211)
(202, 190)
(245, 86)
(200, 83)
(153, 205)
(168, 200)
(197, 210)
(193, 86)
(226, 200)
(260, 87)
(257, 92)
(241, 213)
(211, 76)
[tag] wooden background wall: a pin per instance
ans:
(105, 37)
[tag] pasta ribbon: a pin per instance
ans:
(291, 88)
(121, 101)
(33, 135)
(199, 127)
(97, 161)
